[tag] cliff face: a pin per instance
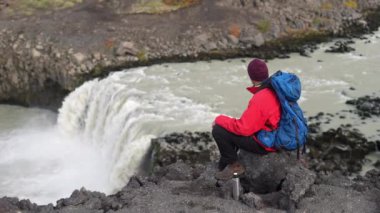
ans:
(46, 53)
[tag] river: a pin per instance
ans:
(103, 130)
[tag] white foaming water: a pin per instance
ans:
(104, 127)
(45, 165)
(103, 131)
(38, 162)
(120, 120)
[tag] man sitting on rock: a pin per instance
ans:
(263, 113)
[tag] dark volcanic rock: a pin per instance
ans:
(177, 171)
(252, 200)
(329, 198)
(377, 164)
(277, 180)
(371, 180)
(336, 193)
(297, 181)
(265, 174)
(340, 149)
(86, 201)
(9, 204)
(340, 47)
(191, 148)
(366, 106)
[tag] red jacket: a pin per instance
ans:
(263, 113)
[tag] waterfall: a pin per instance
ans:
(120, 120)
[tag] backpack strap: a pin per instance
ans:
(297, 139)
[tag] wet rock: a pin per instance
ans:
(304, 53)
(340, 149)
(281, 56)
(308, 49)
(340, 47)
(366, 106)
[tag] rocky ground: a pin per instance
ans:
(50, 48)
(276, 182)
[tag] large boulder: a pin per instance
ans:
(267, 173)
(278, 180)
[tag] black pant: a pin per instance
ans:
(228, 144)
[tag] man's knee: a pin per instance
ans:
(217, 131)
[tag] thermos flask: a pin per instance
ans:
(235, 187)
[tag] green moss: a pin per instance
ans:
(97, 70)
(160, 6)
(317, 21)
(327, 6)
(264, 26)
(28, 7)
(142, 56)
(298, 39)
(353, 4)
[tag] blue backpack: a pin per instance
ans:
(292, 131)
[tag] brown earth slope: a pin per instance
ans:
(50, 48)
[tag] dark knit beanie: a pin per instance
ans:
(257, 70)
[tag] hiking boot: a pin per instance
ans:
(229, 171)
(221, 165)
